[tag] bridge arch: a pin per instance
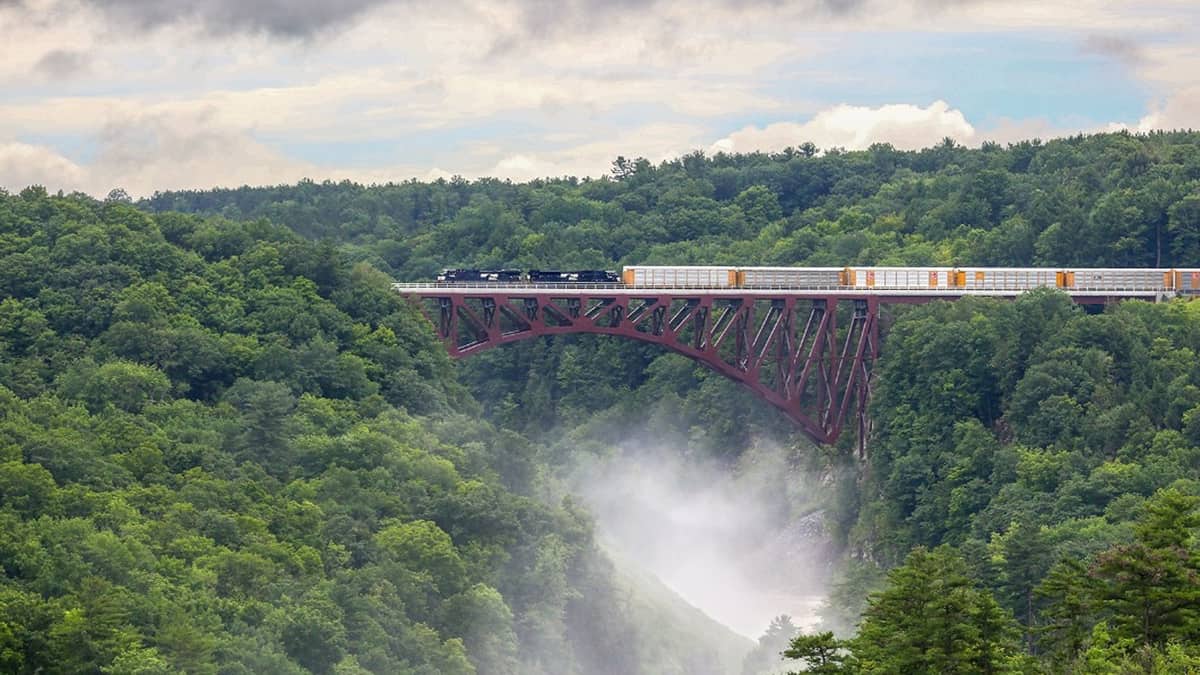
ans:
(787, 349)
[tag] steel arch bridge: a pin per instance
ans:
(809, 353)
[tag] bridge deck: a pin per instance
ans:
(915, 292)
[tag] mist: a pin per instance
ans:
(742, 543)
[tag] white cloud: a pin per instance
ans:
(382, 175)
(510, 98)
(147, 153)
(1181, 110)
(1175, 69)
(903, 125)
(910, 127)
(655, 142)
(383, 103)
(22, 165)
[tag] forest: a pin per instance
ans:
(228, 447)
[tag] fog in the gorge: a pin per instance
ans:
(734, 541)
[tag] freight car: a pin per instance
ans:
(680, 277)
(789, 277)
(901, 278)
(1098, 279)
(1186, 281)
(1007, 278)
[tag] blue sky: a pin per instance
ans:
(199, 93)
(986, 75)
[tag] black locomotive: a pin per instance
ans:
(479, 275)
(532, 276)
(574, 277)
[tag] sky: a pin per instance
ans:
(149, 95)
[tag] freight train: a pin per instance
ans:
(950, 279)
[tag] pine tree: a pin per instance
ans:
(1152, 586)
(1026, 557)
(1068, 617)
(822, 653)
(933, 619)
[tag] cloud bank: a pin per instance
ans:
(163, 94)
(184, 148)
(534, 19)
(280, 18)
(904, 126)
(145, 154)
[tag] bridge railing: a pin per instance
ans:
(1123, 290)
(550, 286)
(419, 285)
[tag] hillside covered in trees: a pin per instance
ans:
(227, 447)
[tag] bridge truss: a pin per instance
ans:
(808, 355)
(809, 352)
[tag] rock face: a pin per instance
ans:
(810, 528)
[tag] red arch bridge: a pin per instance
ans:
(808, 352)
